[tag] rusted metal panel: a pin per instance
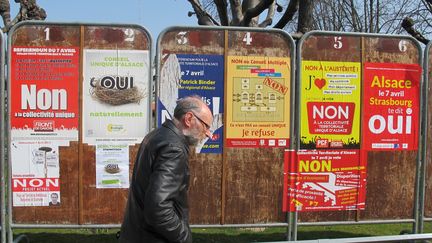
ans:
(101, 206)
(254, 185)
(105, 206)
(254, 176)
(67, 213)
(390, 175)
(205, 169)
(340, 48)
(428, 180)
(337, 48)
(205, 188)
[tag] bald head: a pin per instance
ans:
(189, 103)
(193, 118)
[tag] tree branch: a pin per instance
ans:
(29, 10)
(305, 21)
(5, 12)
(270, 14)
(236, 12)
(203, 17)
(408, 25)
(255, 11)
(221, 6)
(288, 15)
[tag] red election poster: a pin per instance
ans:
(44, 102)
(391, 106)
(318, 180)
(44, 92)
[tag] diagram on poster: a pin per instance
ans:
(258, 101)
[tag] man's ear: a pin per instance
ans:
(187, 119)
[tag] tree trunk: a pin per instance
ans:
(305, 20)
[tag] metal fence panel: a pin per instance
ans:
(62, 123)
(240, 182)
(391, 173)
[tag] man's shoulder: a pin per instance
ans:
(166, 135)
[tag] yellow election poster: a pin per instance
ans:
(330, 105)
(258, 101)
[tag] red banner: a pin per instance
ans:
(391, 104)
(317, 180)
(44, 88)
(35, 184)
(330, 117)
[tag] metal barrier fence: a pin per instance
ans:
(2, 145)
(427, 148)
(224, 210)
(369, 50)
(236, 169)
(390, 238)
(66, 137)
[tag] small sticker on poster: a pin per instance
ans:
(112, 166)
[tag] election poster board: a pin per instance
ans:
(258, 91)
(43, 110)
(78, 108)
(428, 172)
(241, 164)
(3, 167)
(191, 62)
(259, 124)
(116, 111)
(384, 144)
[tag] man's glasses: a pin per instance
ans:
(207, 126)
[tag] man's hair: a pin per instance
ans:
(186, 104)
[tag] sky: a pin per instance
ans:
(154, 15)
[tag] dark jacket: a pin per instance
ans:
(157, 207)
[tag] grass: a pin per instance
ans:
(225, 235)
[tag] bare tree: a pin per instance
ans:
(419, 23)
(371, 16)
(248, 13)
(29, 10)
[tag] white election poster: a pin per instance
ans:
(35, 173)
(112, 166)
(115, 96)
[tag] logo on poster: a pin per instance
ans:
(115, 127)
(43, 126)
(113, 82)
(322, 143)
